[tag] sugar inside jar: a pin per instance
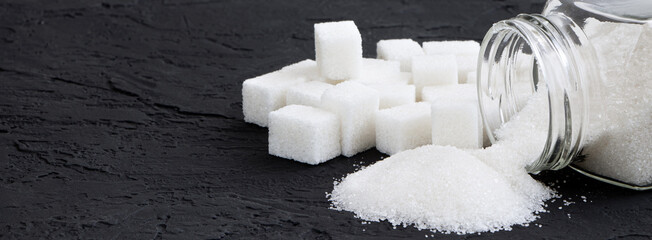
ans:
(593, 58)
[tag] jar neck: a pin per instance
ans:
(538, 51)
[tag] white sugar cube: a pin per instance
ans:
(403, 127)
(399, 50)
(338, 48)
(466, 64)
(356, 106)
(402, 79)
(379, 71)
(466, 53)
(456, 123)
(466, 47)
(453, 93)
(304, 134)
(307, 94)
(472, 78)
(450, 93)
(392, 95)
(264, 94)
(380, 67)
(305, 69)
(406, 77)
(433, 70)
(369, 82)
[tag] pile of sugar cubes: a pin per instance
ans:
(344, 104)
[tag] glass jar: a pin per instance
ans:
(593, 59)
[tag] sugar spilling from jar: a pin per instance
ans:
(466, 191)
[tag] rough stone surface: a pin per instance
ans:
(122, 119)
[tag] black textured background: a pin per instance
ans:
(122, 119)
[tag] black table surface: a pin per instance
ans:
(122, 119)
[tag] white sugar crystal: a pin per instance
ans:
(392, 95)
(453, 92)
(304, 134)
(456, 123)
(264, 94)
(356, 106)
(403, 127)
(472, 78)
(399, 50)
(465, 47)
(338, 48)
(433, 70)
(435, 187)
(308, 93)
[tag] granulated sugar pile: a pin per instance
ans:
(435, 187)
(447, 189)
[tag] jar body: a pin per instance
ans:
(593, 60)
